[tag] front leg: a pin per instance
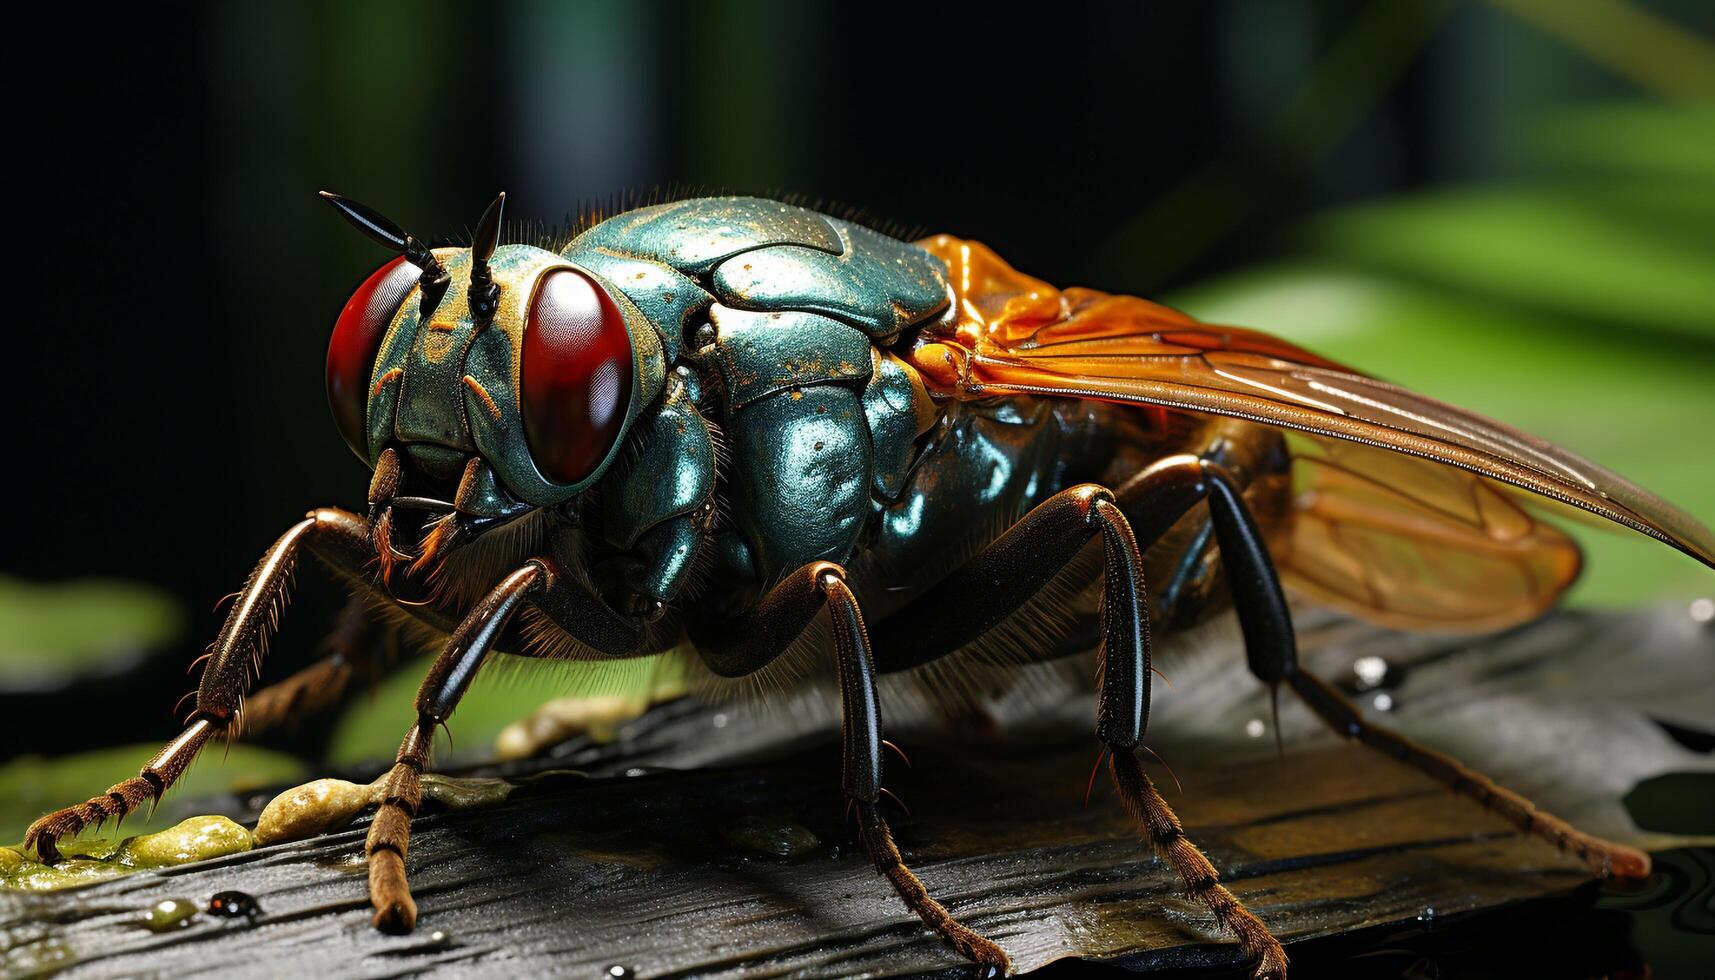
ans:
(233, 662)
(449, 678)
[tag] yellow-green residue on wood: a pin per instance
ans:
(87, 861)
(322, 805)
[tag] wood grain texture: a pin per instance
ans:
(710, 840)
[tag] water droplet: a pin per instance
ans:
(775, 838)
(1427, 915)
(1383, 701)
(170, 914)
(1255, 728)
(233, 905)
(618, 972)
(635, 771)
(1371, 671)
(1702, 610)
(719, 720)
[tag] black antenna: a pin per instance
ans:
(484, 292)
(390, 236)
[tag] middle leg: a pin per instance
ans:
(750, 642)
(360, 645)
(1125, 683)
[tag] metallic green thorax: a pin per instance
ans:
(779, 310)
(657, 506)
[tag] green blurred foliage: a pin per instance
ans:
(1611, 221)
(52, 633)
(1577, 303)
(1635, 256)
(508, 689)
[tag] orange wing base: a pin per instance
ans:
(1406, 510)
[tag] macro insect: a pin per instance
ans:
(769, 437)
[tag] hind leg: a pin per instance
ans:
(1015, 567)
(1272, 653)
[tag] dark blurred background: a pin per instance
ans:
(1509, 204)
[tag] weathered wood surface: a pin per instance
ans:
(666, 857)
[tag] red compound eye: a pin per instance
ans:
(575, 376)
(356, 339)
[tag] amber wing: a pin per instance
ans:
(1405, 508)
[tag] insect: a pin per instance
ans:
(773, 437)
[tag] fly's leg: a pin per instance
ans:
(1272, 653)
(1014, 568)
(860, 732)
(232, 664)
(740, 646)
(449, 678)
(1121, 716)
(359, 645)
(1605, 858)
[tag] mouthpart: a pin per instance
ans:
(419, 510)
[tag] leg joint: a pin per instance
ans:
(1201, 883)
(1222, 486)
(545, 579)
(1090, 497)
(1164, 834)
(402, 803)
(418, 744)
(827, 575)
(1104, 510)
(1214, 472)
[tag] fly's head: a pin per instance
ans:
(482, 385)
